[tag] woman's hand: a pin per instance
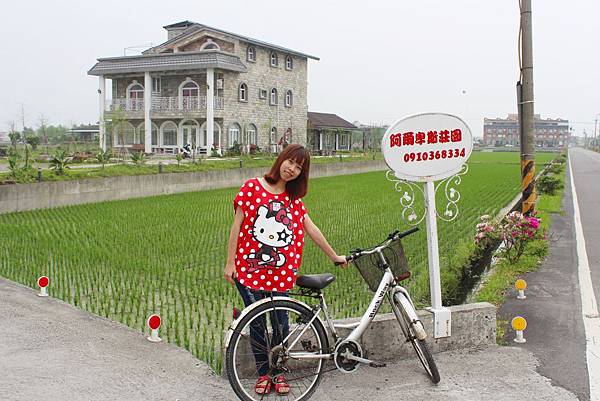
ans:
(230, 273)
(340, 259)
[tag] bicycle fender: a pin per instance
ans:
(255, 305)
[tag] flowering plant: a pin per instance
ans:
(515, 231)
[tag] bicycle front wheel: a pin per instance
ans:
(420, 346)
(260, 345)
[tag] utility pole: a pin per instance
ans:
(526, 117)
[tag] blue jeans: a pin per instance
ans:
(259, 336)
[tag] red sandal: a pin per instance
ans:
(281, 385)
(263, 385)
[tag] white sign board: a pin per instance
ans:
(427, 147)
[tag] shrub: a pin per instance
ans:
(59, 162)
(235, 150)
(548, 184)
(515, 231)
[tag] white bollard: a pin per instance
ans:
(519, 324)
(43, 284)
(154, 323)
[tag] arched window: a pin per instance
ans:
(189, 95)
(154, 140)
(273, 137)
(234, 134)
(135, 97)
(243, 92)
(210, 45)
(251, 54)
(216, 134)
(289, 63)
(125, 134)
(273, 96)
(274, 61)
(288, 98)
(168, 134)
(251, 134)
(140, 134)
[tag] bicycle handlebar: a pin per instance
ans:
(393, 236)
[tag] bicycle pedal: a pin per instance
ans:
(377, 365)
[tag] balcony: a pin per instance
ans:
(163, 105)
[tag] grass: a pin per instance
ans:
(127, 259)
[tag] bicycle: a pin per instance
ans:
(300, 356)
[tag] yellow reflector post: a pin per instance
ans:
(519, 323)
(520, 284)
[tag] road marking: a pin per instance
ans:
(589, 307)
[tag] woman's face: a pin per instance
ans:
(290, 170)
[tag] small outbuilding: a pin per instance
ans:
(328, 133)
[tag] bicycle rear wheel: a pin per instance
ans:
(420, 346)
(303, 375)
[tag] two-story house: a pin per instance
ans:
(206, 87)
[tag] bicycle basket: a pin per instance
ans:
(370, 266)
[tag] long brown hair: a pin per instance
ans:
(298, 187)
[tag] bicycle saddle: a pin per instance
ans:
(315, 281)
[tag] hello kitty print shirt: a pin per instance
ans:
(269, 247)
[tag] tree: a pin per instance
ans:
(33, 140)
(116, 126)
(60, 161)
(42, 130)
(103, 157)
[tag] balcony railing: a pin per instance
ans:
(162, 103)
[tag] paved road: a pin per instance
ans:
(555, 331)
(53, 351)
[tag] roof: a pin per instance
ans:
(86, 128)
(196, 27)
(171, 61)
(327, 120)
(180, 24)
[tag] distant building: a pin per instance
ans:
(549, 133)
(4, 137)
(88, 132)
(327, 133)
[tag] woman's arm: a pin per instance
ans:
(317, 236)
(231, 248)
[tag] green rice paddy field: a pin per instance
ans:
(128, 259)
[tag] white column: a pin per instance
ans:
(441, 315)
(102, 100)
(210, 109)
(147, 108)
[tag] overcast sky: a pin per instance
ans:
(380, 60)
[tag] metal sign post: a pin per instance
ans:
(426, 148)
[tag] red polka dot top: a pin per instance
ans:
(269, 247)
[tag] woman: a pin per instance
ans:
(265, 246)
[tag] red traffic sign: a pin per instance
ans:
(43, 281)
(154, 322)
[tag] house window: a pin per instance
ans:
(135, 97)
(234, 134)
(156, 84)
(262, 94)
(273, 137)
(169, 134)
(251, 54)
(288, 98)
(344, 140)
(210, 45)
(274, 59)
(251, 133)
(189, 92)
(273, 96)
(243, 93)
(289, 63)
